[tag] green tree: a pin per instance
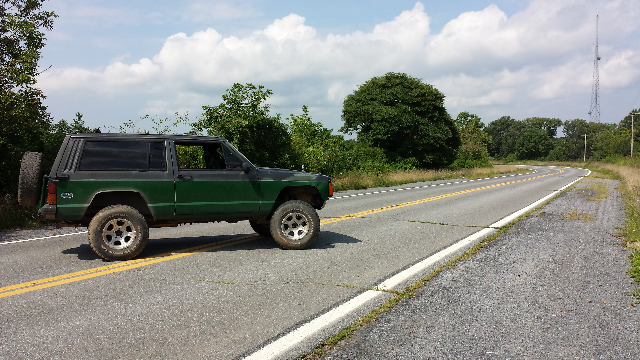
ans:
(244, 119)
(611, 141)
(24, 120)
(534, 143)
(550, 125)
(475, 141)
(315, 145)
(625, 123)
(404, 117)
(159, 125)
(58, 131)
(573, 144)
(504, 133)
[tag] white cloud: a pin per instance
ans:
(480, 60)
(621, 70)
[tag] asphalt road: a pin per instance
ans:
(217, 291)
(554, 286)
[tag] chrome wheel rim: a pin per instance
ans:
(295, 226)
(119, 234)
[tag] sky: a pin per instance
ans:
(118, 60)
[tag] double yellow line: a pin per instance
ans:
(421, 201)
(136, 263)
(110, 269)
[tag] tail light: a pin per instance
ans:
(330, 189)
(51, 192)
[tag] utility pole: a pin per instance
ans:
(585, 148)
(632, 131)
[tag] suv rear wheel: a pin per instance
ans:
(295, 225)
(118, 232)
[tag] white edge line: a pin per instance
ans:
(293, 338)
(402, 276)
(41, 238)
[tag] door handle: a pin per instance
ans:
(185, 177)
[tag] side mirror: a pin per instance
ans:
(246, 167)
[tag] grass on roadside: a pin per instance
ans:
(602, 190)
(357, 181)
(576, 215)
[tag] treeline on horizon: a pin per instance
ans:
(400, 123)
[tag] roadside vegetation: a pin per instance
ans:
(356, 181)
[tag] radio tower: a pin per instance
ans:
(594, 111)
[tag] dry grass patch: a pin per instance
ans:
(601, 188)
(357, 181)
(576, 215)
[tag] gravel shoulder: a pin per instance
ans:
(553, 286)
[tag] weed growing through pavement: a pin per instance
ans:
(628, 172)
(576, 215)
(601, 188)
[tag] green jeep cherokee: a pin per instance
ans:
(119, 185)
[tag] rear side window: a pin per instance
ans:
(122, 155)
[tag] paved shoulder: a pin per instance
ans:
(554, 286)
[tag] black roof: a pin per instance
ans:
(144, 136)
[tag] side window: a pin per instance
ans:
(157, 159)
(208, 156)
(122, 155)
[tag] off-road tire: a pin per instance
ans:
(30, 179)
(261, 227)
(295, 225)
(118, 232)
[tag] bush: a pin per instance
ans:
(14, 216)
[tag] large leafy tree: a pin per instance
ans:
(550, 125)
(316, 146)
(24, 120)
(625, 123)
(475, 141)
(504, 133)
(533, 143)
(537, 138)
(404, 117)
(244, 119)
(573, 142)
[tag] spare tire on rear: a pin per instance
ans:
(30, 180)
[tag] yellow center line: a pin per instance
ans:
(136, 263)
(421, 201)
(110, 269)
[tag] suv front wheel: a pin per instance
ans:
(118, 232)
(295, 225)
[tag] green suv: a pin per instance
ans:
(119, 185)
